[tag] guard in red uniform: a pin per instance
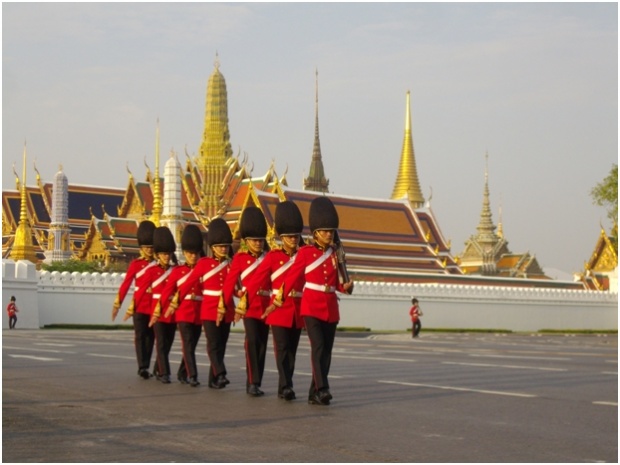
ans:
(187, 312)
(286, 322)
(253, 229)
(154, 283)
(12, 310)
(415, 313)
(143, 335)
(317, 264)
(216, 313)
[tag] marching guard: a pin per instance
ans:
(143, 334)
(154, 283)
(253, 228)
(187, 312)
(286, 322)
(216, 312)
(324, 274)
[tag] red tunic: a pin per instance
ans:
(240, 271)
(136, 270)
(188, 310)
(321, 281)
(270, 274)
(151, 288)
(11, 309)
(209, 274)
(414, 312)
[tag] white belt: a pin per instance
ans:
(322, 288)
(156, 296)
(211, 293)
(295, 294)
(193, 297)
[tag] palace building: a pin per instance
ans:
(390, 240)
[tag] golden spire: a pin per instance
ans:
(157, 201)
(23, 248)
(316, 180)
(407, 184)
(215, 149)
(486, 228)
(500, 228)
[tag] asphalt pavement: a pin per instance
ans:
(74, 396)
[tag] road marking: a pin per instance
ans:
(38, 350)
(380, 359)
(111, 356)
(504, 366)
(32, 357)
(613, 404)
(53, 344)
(522, 357)
(453, 388)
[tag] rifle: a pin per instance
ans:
(343, 274)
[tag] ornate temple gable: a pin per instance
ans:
(602, 264)
(604, 257)
(131, 206)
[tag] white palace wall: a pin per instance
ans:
(46, 298)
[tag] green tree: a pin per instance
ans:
(605, 194)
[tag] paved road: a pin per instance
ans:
(74, 396)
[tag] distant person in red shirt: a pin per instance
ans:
(12, 311)
(415, 313)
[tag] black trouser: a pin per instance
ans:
(321, 335)
(417, 326)
(12, 321)
(164, 338)
(256, 338)
(190, 335)
(144, 338)
(285, 343)
(217, 338)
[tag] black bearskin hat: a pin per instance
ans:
(323, 214)
(145, 233)
(219, 233)
(288, 219)
(163, 241)
(253, 224)
(191, 240)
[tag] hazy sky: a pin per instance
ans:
(534, 85)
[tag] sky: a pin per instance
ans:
(533, 85)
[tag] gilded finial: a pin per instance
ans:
(23, 248)
(157, 200)
(129, 171)
(407, 184)
(216, 63)
(34, 164)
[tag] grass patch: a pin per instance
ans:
(578, 331)
(91, 327)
